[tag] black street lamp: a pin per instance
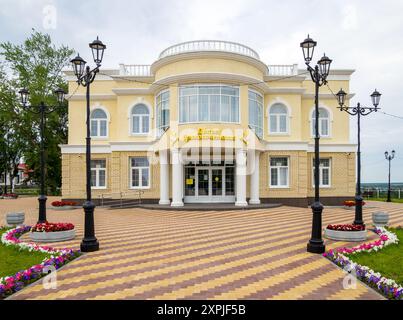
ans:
(85, 76)
(42, 110)
(358, 111)
(318, 74)
(389, 157)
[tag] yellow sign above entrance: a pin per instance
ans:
(208, 134)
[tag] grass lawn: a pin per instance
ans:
(388, 261)
(12, 260)
(383, 200)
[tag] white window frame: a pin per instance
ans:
(321, 185)
(197, 98)
(97, 170)
(262, 112)
(98, 121)
(278, 173)
(140, 174)
(159, 133)
(320, 123)
(287, 120)
(140, 116)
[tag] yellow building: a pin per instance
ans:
(208, 121)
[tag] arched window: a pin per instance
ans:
(99, 123)
(324, 122)
(278, 118)
(140, 116)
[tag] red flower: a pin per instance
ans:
(63, 203)
(52, 227)
(346, 227)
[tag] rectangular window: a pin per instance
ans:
(140, 172)
(98, 173)
(324, 172)
(215, 103)
(279, 172)
(256, 113)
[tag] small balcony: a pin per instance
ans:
(209, 45)
(282, 70)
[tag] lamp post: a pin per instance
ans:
(318, 74)
(358, 111)
(85, 76)
(389, 157)
(42, 110)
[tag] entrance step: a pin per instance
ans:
(209, 206)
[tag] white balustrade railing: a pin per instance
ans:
(209, 45)
(135, 70)
(283, 70)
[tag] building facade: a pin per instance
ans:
(208, 121)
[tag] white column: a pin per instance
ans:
(254, 178)
(164, 178)
(177, 181)
(241, 178)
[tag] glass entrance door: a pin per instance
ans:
(203, 185)
(209, 184)
(217, 182)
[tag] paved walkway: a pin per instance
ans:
(151, 254)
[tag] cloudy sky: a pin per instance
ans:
(363, 35)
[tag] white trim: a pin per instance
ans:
(278, 100)
(108, 120)
(140, 176)
(320, 173)
(150, 116)
(97, 187)
(287, 186)
(82, 97)
(309, 147)
(330, 128)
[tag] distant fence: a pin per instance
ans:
(369, 193)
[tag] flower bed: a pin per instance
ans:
(52, 227)
(10, 196)
(346, 227)
(58, 258)
(63, 203)
(388, 287)
(52, 232)
(346, 232)
(351, 203)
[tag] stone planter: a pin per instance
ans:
(53, 236)
(380, 219)
(63, 208)
(15, 218)
(346, 235)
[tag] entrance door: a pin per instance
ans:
(203, 183)
(217, 182)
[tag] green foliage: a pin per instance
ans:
(13, 260)
(37, 64)
(388, 261)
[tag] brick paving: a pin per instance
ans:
(156, 254)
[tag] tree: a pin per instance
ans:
(37, 65)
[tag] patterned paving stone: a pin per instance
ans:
(156, 254)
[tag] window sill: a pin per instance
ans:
(100, 138)
(99, 188)
(278, 134)
(279, 187)
(139, 134)
(139, 188)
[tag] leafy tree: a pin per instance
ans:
(37, 64)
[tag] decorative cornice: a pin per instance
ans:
(97, 97)
(325, 96)
(289, 90)
(132, 91)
